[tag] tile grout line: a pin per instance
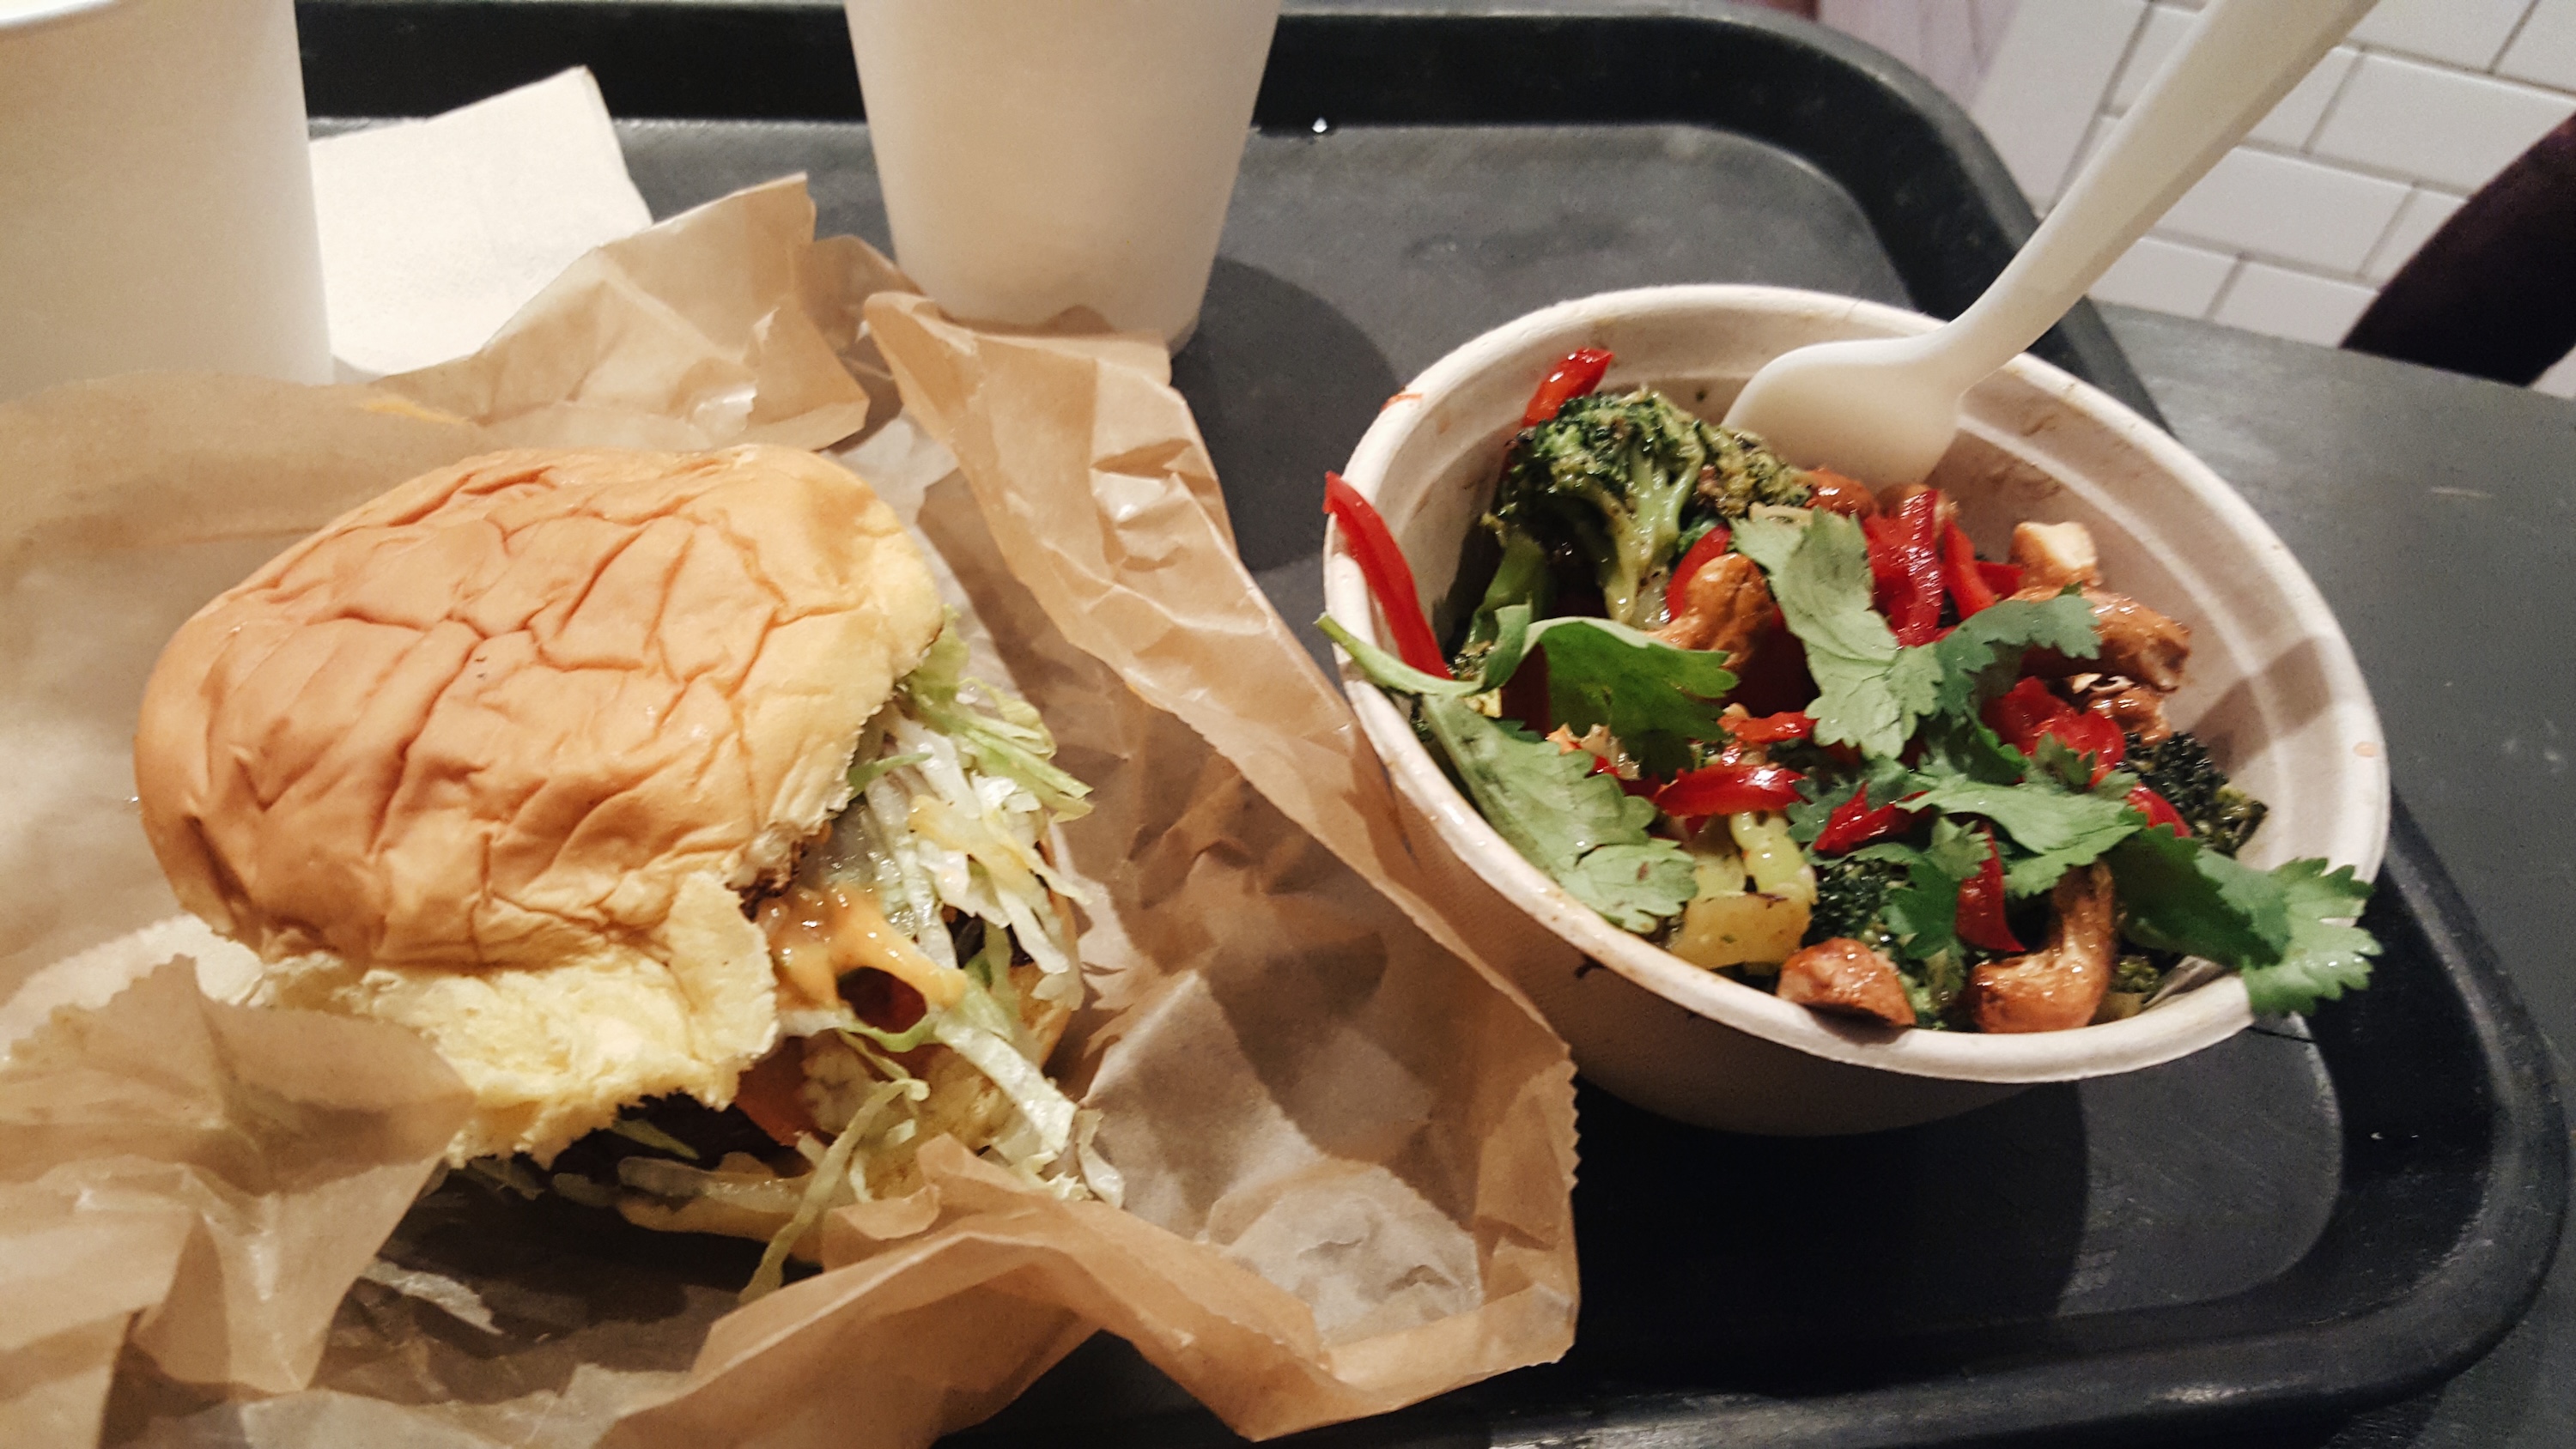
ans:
(2510, 36)
(2074, 164)
(2387, 234)
(2226, 288)
(2326, 112)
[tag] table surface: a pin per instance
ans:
(2438, 515)
(2434, 511)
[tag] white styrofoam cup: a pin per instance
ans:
(1043, 155)
(156, 203)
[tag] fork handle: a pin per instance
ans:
(2236, 63)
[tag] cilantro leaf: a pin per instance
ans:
(2054, 759)
(2181, 897)
(1923, 913)
(1869, 691)
(1653, 696)
(1577, 826)
(1964, 746)
(2037, 815)
(2324, 958)
(1996, 636)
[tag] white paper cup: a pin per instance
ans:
(156, 201)
(1042, 155)
(2272, 687)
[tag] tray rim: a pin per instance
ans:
(2415, 1337)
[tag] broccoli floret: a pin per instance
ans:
(2180, 769)
(1613, 473)
(2136, 975)
(1744, 471)
(1851, 898)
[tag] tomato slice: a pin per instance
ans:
(768, 1094)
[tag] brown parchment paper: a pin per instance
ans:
(1347, 1149)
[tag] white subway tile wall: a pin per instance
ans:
(2560, 381)
(2544, 53)
(2422, 215)
(2295, 119)
(2157, 36)
(2285, 303)
(2167, 276)
(2294, 232)
(2048, 78)
(2430, 124)
(2466, 33)
(2289, 208)
(1950, 41)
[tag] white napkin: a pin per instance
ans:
(434, 232)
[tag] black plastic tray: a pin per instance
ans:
(2299, 1222)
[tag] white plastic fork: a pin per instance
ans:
(1884, 410)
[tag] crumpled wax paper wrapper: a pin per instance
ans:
(1347, 1147)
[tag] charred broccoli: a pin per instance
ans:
(2179, 768)
(1851, 899)
(1614, 474)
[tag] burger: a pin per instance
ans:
(650, 790)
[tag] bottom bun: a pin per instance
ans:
(555, 1052)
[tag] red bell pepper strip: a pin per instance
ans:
(1771, 729)
(1854, 824)
(1959, 574)
(2020, 713)
(2028, 711)
(1578, 374)
(1390, 578)
(1643, 788)
(1710, 548)
(1905, 561)
(1728, 789)
(2157, 809)
(1981, 904)
(2002, 578)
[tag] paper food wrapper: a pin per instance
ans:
(1347, 1147)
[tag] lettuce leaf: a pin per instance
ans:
(1654, 697)
(1002, 731)
(1577, 826)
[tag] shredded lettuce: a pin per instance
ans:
(1005, 733)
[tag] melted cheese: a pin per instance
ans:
(817, 937)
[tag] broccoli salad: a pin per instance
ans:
(1805, 736)
(925, 961)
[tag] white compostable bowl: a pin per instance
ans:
(2272, 689)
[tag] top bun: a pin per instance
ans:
(537, 710)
